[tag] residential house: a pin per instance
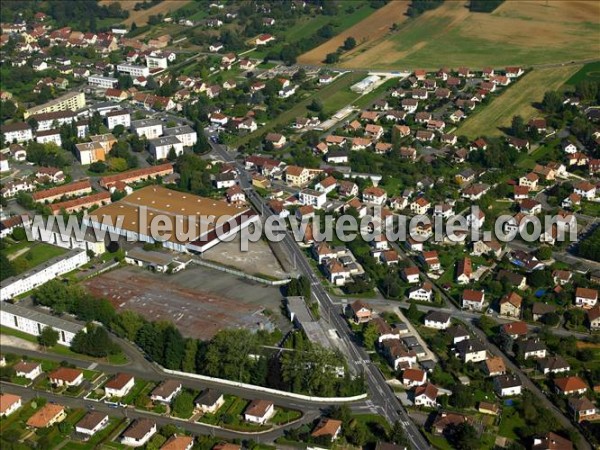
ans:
(532, 348)
(9, 403)
(66, 376)
(438, 320)
(420, 206)
(47, 415)
(426, 395)
(259, 411)
(91, 423)
(445, 421)
(166, 391)
(585, 297)
(464, 271)
(593, 317)
(551, 441)
(554, 365)
(28, 369)
(410, 274)
(582, 409)
(457, 333)
(361, 313)
(374, 196)
(313, 198)
(176, 442)
(482, 247)
(398, 354)
(570, 386)
(413, 377)
(330, 428)
(423, 293)
(470, 350)
(138, 433)
(507, 385)
(495, 366)
(276, 139)
(586, 189)
(515, 330)
(510, 305)
(297, 176)
(209, 401)
(119, 385)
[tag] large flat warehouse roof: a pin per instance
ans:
(175, 208)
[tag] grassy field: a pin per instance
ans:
(516, 100)
(307, 26)
(141, 17)
(589, 72)
(371, 29)
(299, 110)
(516, 33)
(26, 255)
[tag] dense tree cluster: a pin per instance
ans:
(484, 6)
(420, 6)
(589, 247)
(235, 354)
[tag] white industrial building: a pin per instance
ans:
(365, 85)
(55, 267)
(133, 70)
(88, 242)
(103, 82)
(33, 322)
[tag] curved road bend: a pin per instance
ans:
(153, 373)
(193, 427)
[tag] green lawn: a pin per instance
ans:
(589, 72)
(37, 254)
(528, 161)
(451, 37)
(138, 387)
(590, 208)
(510, 421)
(299, 109)
(283, 416)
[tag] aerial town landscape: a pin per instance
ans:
(300, 224)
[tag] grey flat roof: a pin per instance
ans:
(145, 123)
(40, 317)
(40, 267)
(174, 131)
(150, 256)
(164, 140)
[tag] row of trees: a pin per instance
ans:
(235, 354)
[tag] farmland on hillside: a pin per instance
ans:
(517, 100)
(516, 33)
(367, 32)
(141, 17)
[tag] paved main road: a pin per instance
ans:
(380, 392)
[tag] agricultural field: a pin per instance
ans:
(516, 33)
(367, 32)
(141, 17)
(589, 72)
(518, 99)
